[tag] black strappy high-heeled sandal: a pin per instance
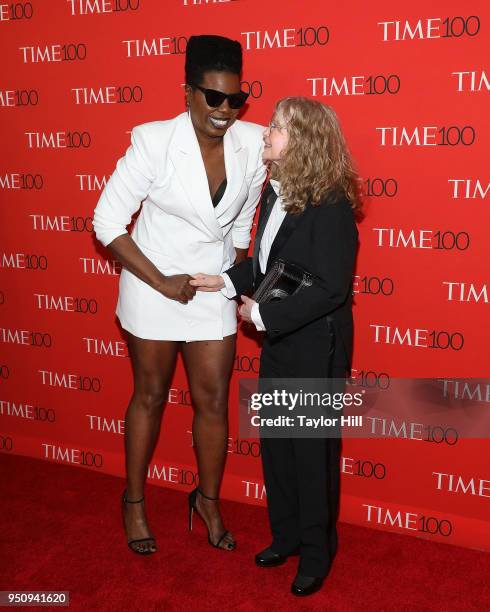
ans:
(133, 543)
(193, 506)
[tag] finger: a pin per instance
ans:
(199, 279)
(245, 299)
(202, 281)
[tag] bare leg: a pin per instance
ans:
(153, 367)
(209, 365)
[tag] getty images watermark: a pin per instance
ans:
(304, 409)
(439, 410)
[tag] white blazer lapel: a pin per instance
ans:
(186, 156)
(236, 156)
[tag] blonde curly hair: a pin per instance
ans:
(316, 162)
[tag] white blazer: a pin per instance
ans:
(178, 228)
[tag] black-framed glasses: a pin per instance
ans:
(215, 98)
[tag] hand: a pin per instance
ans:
(177, 288)
(207, 282)
(245, 310)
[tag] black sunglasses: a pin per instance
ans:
(216, 98)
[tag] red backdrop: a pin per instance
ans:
(409, 84)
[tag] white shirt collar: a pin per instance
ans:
(275, 185)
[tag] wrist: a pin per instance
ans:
(160, 283)
(240, 254)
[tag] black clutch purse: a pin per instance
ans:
(282, 280)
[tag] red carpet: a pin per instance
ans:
(61, 530)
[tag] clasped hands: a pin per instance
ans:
(183, 287)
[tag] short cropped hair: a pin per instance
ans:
(209, 52)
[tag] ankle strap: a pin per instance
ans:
(130, 501)
(206, 496)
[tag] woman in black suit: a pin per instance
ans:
(307, 217)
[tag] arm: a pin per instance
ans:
(241, 275)
(243, 223)
(231, 282)
(121, 198)
(334, 245)
(241, 255)
(124, 249)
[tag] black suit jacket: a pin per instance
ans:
(322, 240)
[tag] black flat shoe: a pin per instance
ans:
(306, 585)
(269, 558)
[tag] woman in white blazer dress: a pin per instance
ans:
(199, 176)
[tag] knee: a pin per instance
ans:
(212, 406)
(151, 398)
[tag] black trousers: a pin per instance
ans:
(302, 480)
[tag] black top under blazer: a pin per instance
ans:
(323, 240)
